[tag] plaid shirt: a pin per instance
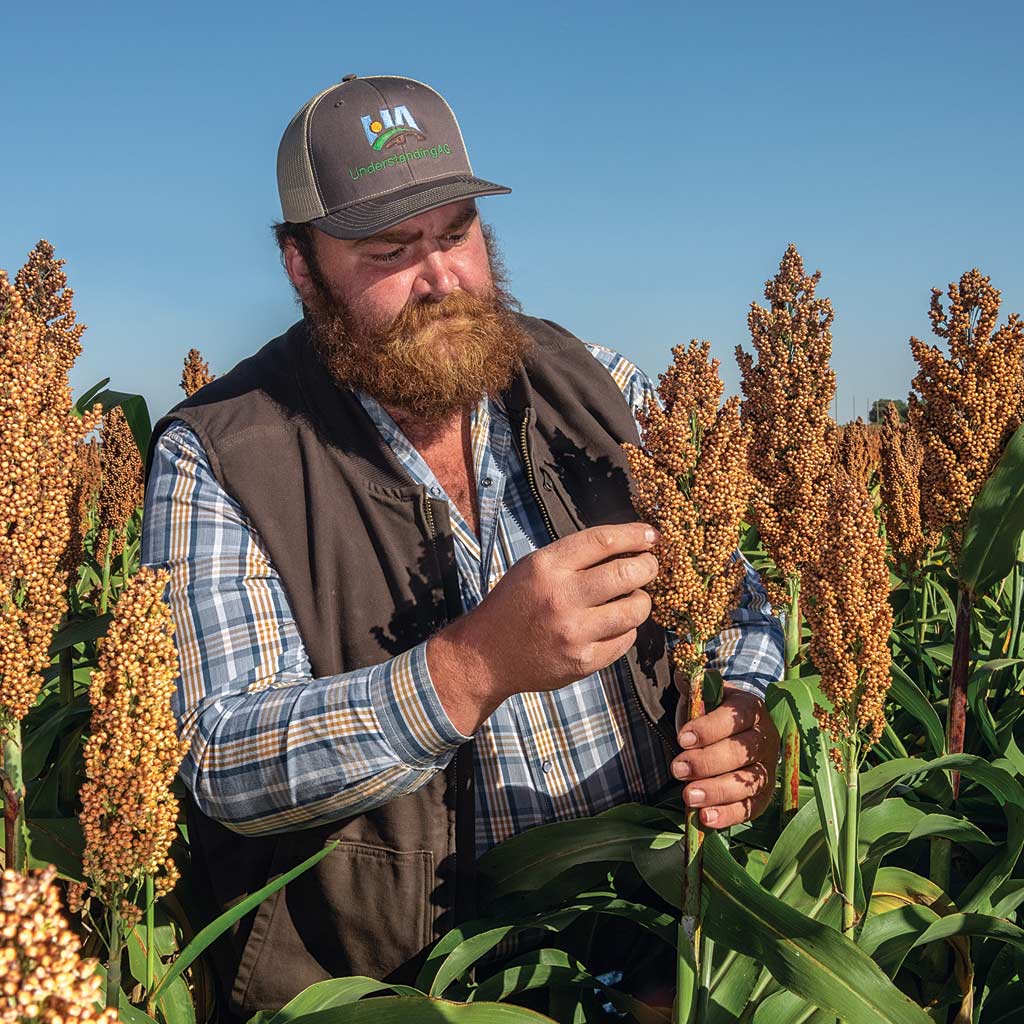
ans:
(273, 749)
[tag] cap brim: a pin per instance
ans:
(372, 215)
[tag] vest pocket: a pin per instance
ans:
(363, 910)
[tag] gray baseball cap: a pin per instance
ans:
(368, 153)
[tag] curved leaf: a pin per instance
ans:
(326, 994)
(995, 522)
(908, 695)
(809, 958)
(420, 1010)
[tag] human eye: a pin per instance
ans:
(456, 239)
(387, 257)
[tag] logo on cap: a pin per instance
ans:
(390, 127)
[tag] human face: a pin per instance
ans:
(422, 259)
(417, 316)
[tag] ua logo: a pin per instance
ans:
(390, 127)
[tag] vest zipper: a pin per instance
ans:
(551, 531)
(529, 474)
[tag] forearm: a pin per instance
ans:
(312, 751)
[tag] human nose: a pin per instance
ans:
(436, 277)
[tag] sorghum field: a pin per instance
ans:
(882, 885)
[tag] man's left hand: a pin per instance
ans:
(728, 760)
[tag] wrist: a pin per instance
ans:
(463, 677)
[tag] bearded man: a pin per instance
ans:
(407, 577)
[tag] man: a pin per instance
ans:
(406, 573)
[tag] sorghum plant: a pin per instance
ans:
(859, 451)
(901, 492)
(196, 373)
(43, 979)
(121, 486)
(131, 758)
(692, 483)
(846, 587)
(966, 408)
(792, 445)
(39, 435)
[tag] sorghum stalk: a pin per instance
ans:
(850, 825)
(966, 408)
(150, 898)
(790, 733)
(15, 825)
(692, 483)
(847, 608)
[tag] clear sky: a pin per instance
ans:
(661, 157)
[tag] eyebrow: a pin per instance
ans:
(405, 237)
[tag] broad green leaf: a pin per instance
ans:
(995, 522)
(1001, 783)
(87, 399)
(78, 632)
(39, 741)
(552, 968)
(808, 958)
(217, 927)
(420, 1010)
(829, 793)
(535, 857)
(908, 695)
(136, 413)
(326, 994)
(176, 1002)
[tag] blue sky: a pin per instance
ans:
(661, 157)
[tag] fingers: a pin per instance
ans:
(598, 543)
(602, 583)
(738, 712)
(731, 798)
(724, 756)
(616, 617)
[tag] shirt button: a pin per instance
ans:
(546, 767)
(435, 489)
(488, 481)
(547, 485)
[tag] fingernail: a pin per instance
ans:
(680, 769)
(710, 816)
(695, 795)
(687, 739)
(650, 535)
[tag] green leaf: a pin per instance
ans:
(908, 695)
(420, 1010)
(217, 927)
(136, 412)
(57, 841)
(175, 1004)
(78, 632)
(810, 959)
(39, 741)
(533, 858)
(87, 399)
(326, 994)
(995, 522)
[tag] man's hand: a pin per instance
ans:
(728, 760)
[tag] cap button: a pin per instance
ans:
(348, 78)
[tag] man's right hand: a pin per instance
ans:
(559, 614)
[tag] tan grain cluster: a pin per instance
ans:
(846, 590)
(859, 450)
(196, 373)
(901, 492)
(121, 482)
(968, 404)
(42, 284)
(788, 392)
(85, 487)
(42, 978)
(692, 483)
(132, 756)
(39, 436)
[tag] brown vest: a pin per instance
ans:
(367, 561)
